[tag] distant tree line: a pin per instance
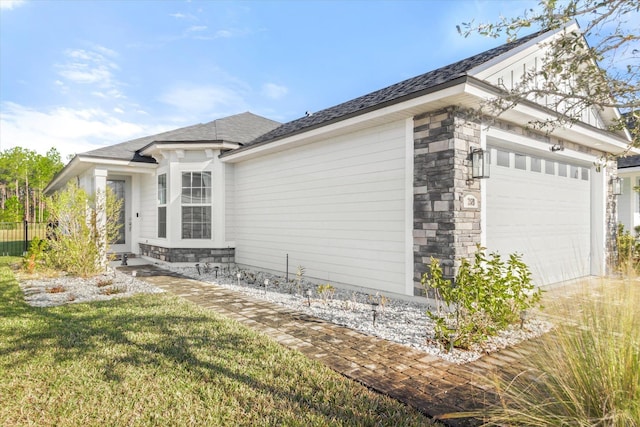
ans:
(24, 174)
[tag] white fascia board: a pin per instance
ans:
(518, 53)
(488, 68)
(629, 171)
(578, 132)
(344, 126)
(70, 169)
(157, 147)
(81, 163)
(117, 165)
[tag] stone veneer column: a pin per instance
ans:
(446, 202)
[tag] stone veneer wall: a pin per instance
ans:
(216, 255)
(446, 202)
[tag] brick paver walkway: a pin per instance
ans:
(423, 381)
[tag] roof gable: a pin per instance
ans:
(240, 128)
(398, 92)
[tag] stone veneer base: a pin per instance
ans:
(213, 255)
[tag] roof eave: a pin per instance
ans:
(439, 91)
(155, 147)
(527, 111)
(82, 162)
(628, 170)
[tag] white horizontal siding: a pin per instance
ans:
(337, 207)
(229, 204)
(148, 207)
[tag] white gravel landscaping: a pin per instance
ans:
(401, 321)
(397, 320)
(48, 292)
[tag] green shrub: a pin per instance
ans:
(79, 240)
(487, 296)
(35, 255)
(628, 259)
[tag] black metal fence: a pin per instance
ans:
(16, 236)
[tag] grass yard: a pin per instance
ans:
(158, 360)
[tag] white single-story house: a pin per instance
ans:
(363, 193)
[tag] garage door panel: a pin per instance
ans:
(542, 216)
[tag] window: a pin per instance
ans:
(503, 158)
(549, 167)
(521, 162)
(162, 205)
(562, 169)
(574, 172)
(536, 164)
(196, 205)
(585, 174)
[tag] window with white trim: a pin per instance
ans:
(162, 205)
(196, 205)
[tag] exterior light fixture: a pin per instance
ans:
(216, 268)
(479, 163)
(616, 184)
(374, 309)
(238, 276)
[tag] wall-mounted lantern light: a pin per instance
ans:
(479, 163)
(616, 184)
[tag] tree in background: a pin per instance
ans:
(24, 174)
(575, 76)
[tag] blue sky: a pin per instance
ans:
(78, 75)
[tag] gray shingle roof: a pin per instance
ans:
(398, 92)
(249, 129)
(240, 128)
(628, 162)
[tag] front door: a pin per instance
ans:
(119, 188)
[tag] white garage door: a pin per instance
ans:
(540, 207)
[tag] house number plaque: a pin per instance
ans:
(469, 201)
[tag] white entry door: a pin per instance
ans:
(541, 208)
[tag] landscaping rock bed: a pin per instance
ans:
(47, 292)
(400, 321)
(397, 320)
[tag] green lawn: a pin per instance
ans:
(158, 360)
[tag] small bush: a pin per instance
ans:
(326, 292)
(628, 260)
(35, 254)
(487, 296)
(80, 237)
(299, 277)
